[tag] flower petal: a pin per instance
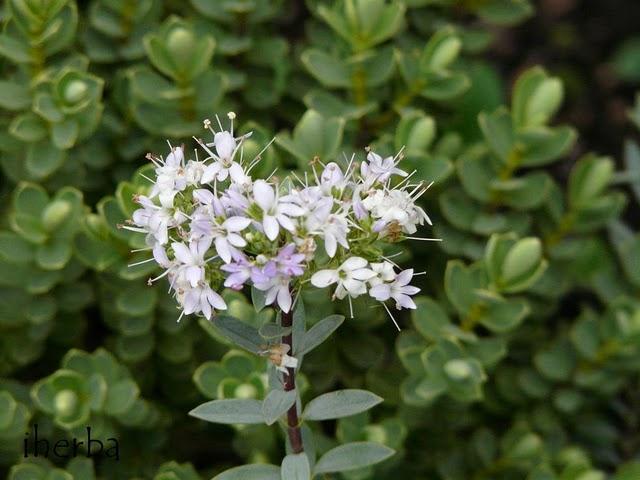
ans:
(284, 298)
(182, 252)
(264, 195)
(353, 263)
(271, 227)
(380, 292)
(236, 224)
(225, 144)
(324, 278)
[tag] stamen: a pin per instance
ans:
(390, 315)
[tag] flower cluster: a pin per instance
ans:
(209, 225)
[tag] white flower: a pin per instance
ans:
(287, 362)
(334, 232)
(331, 177)
(192, 259)
(193, 172)
(224, 165)
(275, 213)
(157, 219)
(384, 273)
(379, 169)
(351, 277)
(395, 206)
(199, 299)
(399, 289)
(170, 175)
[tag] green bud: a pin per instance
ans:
(457, 369)
(544, 102)
(75, 91)
(65, 402)
(376, 433)
(591, 475)
(588, 179)
(527, 447)
(180, 43)
(55, 213)
(445, 53)
(522, 261)
(246, 390)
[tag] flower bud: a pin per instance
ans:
(522, 262)
(75, 91)
(445, 53)
(65, 402)
(180, 43)
(246, 390)
(457, 369)
(544, 102)
(54, 214)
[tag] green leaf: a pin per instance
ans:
(239, 333)
(276, 404)
(313, 136)
(28, 127)
(8, 407)
(441, 50)
(54, 255)
(15, 249)
(319, 333)
(504, 315)
(522, 265)
(295, 467)
(632, 162)
(589, 178)
(121, 397)
(541, 145)
(459, 286)
(630, 471)
(273, 330)
(299, 323)
(557, 362)
(258, 298)
(341, 403)
(505, 12)
(15, 50)
(251, 472)
(14, 96)
(43, 159)
(497, 129)
(65, 134)
(352, 456)
(230, 411)
(327, 69)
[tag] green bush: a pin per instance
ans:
(522, 358)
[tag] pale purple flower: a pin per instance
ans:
(275, 213)
(200, 299)
(192, 259)
(223, 232)
(398, 289)
(289, 262)
(277, 289)
(379, 169)
(156, 219)
(170, 175)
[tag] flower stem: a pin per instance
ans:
(293, 423)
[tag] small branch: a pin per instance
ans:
(293, 423)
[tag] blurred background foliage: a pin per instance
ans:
(522, 359)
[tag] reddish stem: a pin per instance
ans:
(293, 423)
